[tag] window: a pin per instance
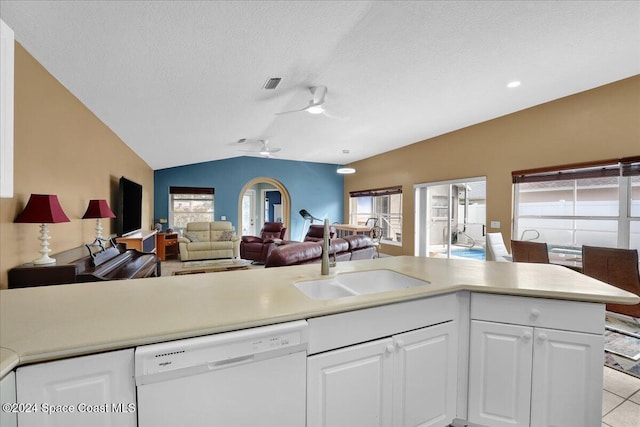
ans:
(385, 205)
(571, 206)
(190, 204)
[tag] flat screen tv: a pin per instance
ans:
(129, 212)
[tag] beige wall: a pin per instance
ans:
(602, 123)
(61, 148)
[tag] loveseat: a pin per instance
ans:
(350, 248)
(209, 240)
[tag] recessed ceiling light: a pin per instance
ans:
(513, 84)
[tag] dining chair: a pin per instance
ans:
(527, 251)
(617, 267)
(496, 249)
(376, 236)
(371, 222)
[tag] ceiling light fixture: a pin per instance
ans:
(345, 170)
(513, 84)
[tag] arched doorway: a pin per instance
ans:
(249, 192)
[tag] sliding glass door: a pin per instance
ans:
(450, 219)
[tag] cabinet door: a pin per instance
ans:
(500, 362)
(96, 390)
(567, 378)
(425, 376)
(351, 386)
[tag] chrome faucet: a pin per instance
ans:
(324, 269)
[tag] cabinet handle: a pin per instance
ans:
(535, 313)
(542, 337)
(526, 336)
(400, 344)
(389, 349)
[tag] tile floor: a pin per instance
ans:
(620, 395)
(620, 399)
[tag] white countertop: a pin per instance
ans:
(49, 322)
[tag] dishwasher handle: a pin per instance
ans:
(231, 362)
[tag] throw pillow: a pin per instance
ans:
(226, 236)
(191, 236)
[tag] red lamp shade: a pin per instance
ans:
(98, 209)
(42, 209)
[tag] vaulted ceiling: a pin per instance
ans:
(181, 81)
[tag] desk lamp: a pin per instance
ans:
(43, 209)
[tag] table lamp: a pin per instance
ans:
(98, 209)
(43, 209)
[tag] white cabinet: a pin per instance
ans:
(8, 417)
(408, 379)
(351, 386)
(424, 383)
(500, 374)
(96, 390)
(522, 374)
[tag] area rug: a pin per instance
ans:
(622, 344)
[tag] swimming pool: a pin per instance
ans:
(471, 253)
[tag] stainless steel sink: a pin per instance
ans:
(358, 283)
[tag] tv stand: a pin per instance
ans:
(143, 241)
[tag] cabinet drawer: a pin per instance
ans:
(556, 314)
(343, 329)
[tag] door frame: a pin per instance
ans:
(251, 228)
(422, 212)
(286, 200)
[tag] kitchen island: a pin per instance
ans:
(54, 322)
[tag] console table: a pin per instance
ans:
(167, 245)
(143, 241)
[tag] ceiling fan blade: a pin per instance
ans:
(319, 94)
(331, 116)
(292, 111)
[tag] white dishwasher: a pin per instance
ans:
(252, 377)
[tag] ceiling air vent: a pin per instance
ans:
(272, 83)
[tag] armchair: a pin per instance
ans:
(257, 249)
(316, 233)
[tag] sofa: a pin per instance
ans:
(258, 248)
(350, 248)
(209, 240)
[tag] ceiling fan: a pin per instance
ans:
(261, 146)
(316, 105)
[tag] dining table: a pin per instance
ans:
(346, 229)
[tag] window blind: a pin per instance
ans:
(377, 192)
(630, 166)
(574, 171)
(191, 190)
